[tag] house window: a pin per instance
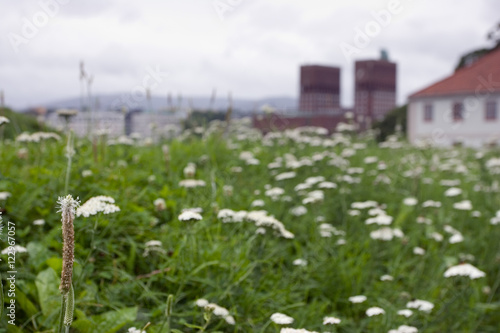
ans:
(458, 112)
(428, 112)
(491, 110)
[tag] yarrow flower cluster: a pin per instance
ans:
(259, 217)
(357, 299)
(386, 234)
(17, 249)
(453, 192)
(295, 330)
(160, 204)
(100, 204)
(463, 205)
(4, 195)
(153, 246)
(4, 120)
(189, 215)
(39, 222)
(331, 321)
(419, 304)
(405, 312)
(410, 201)
(37, 137)
(404, 329)
(281, 319)
(374, 311)
(217, 310)
(464, 270)
(192, 183)
(135, 330)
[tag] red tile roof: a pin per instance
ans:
(482, 77)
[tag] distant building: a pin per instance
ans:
(462, 108)
(374, 90)
(116, 123)
(319, 89)
(319, 103)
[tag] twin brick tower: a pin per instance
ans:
(374, 90)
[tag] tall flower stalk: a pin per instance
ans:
(67, 207)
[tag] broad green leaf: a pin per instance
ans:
(47, 283)
(108, 322)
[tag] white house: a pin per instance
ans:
(462, 108)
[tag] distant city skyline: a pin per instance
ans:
(252, 48)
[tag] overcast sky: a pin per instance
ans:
(251, 47)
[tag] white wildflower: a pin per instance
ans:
(153, 243)
(386, 234)
(431, 203)
(135, 330)
(370, 159)
(331, 321)
(189, 215)
(452, 192)
(86, 173)
(285, 175)
(464, 270)
(314, 196)
(463, 205)
(436, 236)
(217, 310)
(404, 329)
(300, 262)
(422, 305)
(327, 185)
(260, 231)
(4, 120)
(357, 299)
(281, 319)
(456, 238)
(257, 203)
(39, 222)
(16, 248)
(374, 311)
(96, 205)
(295, 330)
(410, 201)
(160, 204)
(364, 205)
(340, 241)
(4, 195)
(405, 312)
(299, 211)
(190, 170)
(418, 251)
(275, 192)
(496, 219)
(476, 213)
(381, 219)
(201, 302)
(192, 183)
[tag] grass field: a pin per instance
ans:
(293, 223)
